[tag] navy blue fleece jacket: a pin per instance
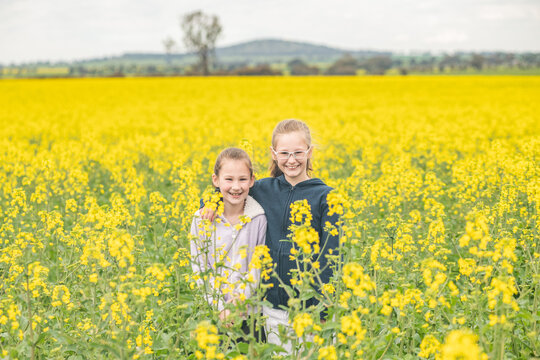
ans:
(276, 196)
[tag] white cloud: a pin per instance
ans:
(448, 37)
(66, 29)
(497, 12)
(402, 37)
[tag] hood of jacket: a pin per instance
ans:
(306, 183)
(252, 208)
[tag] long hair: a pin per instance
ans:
(286, 127)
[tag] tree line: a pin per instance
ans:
(345, 65)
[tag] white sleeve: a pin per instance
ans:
(251, 288)
(201, 264)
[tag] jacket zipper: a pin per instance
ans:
(282, 265)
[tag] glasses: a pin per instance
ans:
(285, 155)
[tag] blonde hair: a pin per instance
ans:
(286, 127)
(233, 153)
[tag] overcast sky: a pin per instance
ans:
(33, 30)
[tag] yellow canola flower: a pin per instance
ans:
(328, 353)
(13, 312)
(466, 266)
(328, 288)
(158, 272)
(36, 279)
(301, 322)
(504, 286)
(335, 200)
(301, 212)
(429, 346)
(307, 239)
(213, 201)
(351, 327)
(494, 319)
(121, 246)
(261, 260)
(207, 340)
(461, 345)
(239, 357)
(61, 295)
(355, 279)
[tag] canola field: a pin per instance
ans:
(437, 181)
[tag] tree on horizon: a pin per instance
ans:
(200, 34)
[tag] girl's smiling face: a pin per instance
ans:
(234, 181)
(293, 167)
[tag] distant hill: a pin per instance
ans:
(283, 50)
(256, 51)
(275, 47)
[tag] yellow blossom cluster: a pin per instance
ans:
(301, 322)
(61, 296)
(461, 344)
(261, 260)
(436, 184)
(301, 212)
(357, 280)
(307, 239)
(207, 340)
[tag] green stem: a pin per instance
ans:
(29, 305)
(385, 350)
(501, 349)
